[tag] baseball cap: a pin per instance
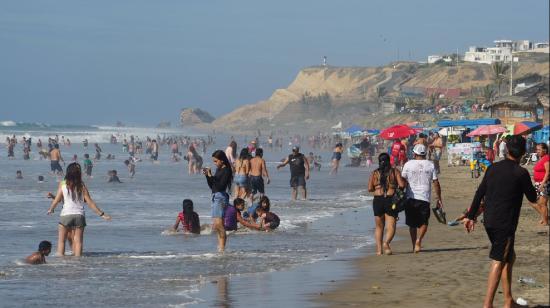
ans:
(419, 149)
(295, 148)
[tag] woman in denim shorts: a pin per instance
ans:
(220, 184)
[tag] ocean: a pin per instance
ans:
(130, 261)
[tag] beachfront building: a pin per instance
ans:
(488, 55)
(530, 104)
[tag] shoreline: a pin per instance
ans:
(452, 268)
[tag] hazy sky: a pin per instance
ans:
(96, 62)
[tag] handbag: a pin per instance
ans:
(399, 198)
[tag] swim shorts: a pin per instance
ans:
(502, 244)
(437, 154)
(336, 155)
(298, 180)
(382, 205)
(155, 156)
(220, 200)
(257, 184)
(73, 221)
(55, 166)
(417, 213)
(241, 180)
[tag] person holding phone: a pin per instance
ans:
(220, 184)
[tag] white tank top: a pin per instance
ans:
(71, 207)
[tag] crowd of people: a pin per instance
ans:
(404, 179)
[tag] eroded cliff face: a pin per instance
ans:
(194, 116)
(352, 92)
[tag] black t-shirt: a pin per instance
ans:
(220, 181)
(296, 162)
(503, 187)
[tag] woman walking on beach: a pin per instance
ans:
(383, 183)
(74, 194)
(231, 152)
(219, 183)
(192, 158)
(541, 174)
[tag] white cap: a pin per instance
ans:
(419, 149)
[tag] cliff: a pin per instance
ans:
(322, 96)
(194, 116)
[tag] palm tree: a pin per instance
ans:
(488, 92)
(499, 70)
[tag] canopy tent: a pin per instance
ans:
(468, 122)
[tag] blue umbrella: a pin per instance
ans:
(354, 129)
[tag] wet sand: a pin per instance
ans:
(451, 271)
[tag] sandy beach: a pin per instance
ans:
(451, 271)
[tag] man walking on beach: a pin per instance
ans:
(502, 189)
(299, 172)
(420, 174)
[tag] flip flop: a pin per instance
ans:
(453, 223)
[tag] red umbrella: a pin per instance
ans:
(526, 127)
(397, 132)
(487, 130)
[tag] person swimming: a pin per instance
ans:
(113, 177)
(188, 218)
(39, 257)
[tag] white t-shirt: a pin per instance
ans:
(502, 150)
(420, 174)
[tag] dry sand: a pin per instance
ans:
(451, 271)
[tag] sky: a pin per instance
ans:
(141, 62)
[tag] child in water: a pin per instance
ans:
(268, 220)
(188, 218)
(113, 177)
(233, 215)
(39, 257)
(131, 167)
(88, 165)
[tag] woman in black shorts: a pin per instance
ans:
(383, 183)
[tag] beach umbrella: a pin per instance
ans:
(354, 129)
(486, 130)
(526, 127)
(373, 131)
(397, 132)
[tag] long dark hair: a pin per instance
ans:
(265, 199)
(384, 167)
(73, 180)
(187, 211)
(220, 155)
(190, 218)
(233, 146)
(244, 154)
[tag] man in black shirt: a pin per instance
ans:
(503, 187)
(299, 171)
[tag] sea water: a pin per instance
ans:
(131, 261)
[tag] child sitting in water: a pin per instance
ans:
(251, 215)
(188, 218)
(268, 220)
(39, 257)
(113, 177)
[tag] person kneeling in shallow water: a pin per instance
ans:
(113, 177)
(39, 257)
(268, 220)
(188, 218)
